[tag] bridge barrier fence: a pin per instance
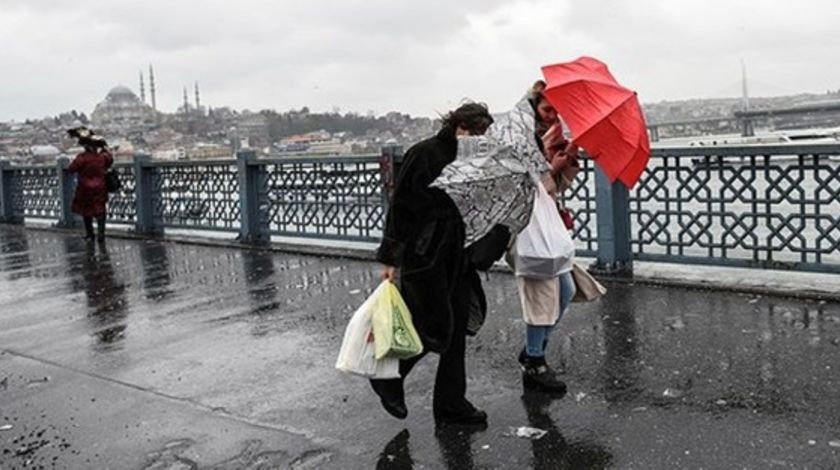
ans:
(772, 207)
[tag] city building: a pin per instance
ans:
(254, 128)
(205, 151)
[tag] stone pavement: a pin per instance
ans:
(156, 355)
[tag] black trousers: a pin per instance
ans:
(451, 379)
(100, 226)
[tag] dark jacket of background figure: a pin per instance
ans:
(424, 237)
(91, 194)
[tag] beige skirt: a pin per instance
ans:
(540, 298)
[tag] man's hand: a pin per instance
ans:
(389, 273)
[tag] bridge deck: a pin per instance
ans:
(149, 354)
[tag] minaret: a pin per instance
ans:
(152, 86)
(186, 103)
(142, 89)
(197, 99)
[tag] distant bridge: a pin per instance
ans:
(747, 118)
(744, 120)
(707, 125)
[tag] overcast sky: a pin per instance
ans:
(420, 57)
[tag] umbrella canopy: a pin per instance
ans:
(489, 185)
(492, 179)
(604, 117)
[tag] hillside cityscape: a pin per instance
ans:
(132, 123)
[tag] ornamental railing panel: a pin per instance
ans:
(772, 207)
(122, 205)
(337, 197)
(580, 200)
(199, 195)
(35, 192)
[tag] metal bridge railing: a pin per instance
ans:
(752, 206)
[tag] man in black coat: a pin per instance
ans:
(424, 239)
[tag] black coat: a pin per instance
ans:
(424, 237)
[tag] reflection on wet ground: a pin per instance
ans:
(658, 377)
(552, 450)
(105, 294)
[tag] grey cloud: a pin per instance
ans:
(419, 57)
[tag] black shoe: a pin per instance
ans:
(536, 375)
(391, 395)
(470, 416)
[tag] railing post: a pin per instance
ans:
(389, 166)
(253, 203)
(66, 187)
(7, 201)
(146, 197)
(615, 256)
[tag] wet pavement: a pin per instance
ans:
(154, 355)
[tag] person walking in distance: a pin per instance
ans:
(91, 197)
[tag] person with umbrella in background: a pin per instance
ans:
(424, 238)
(91, 165)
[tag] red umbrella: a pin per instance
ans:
(604, 117)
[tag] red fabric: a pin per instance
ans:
(604, 117)
(568, 218)
(91, 195)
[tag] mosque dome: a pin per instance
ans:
(122, 111)
(121, 93)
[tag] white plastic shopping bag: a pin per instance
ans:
(357, 354)
(544, 248)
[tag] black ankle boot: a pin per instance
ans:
(536, 375)
(391, 395)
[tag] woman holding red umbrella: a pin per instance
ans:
(534, 127)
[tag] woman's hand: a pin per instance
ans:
(564, 168)
(553, 140)
(572, 150)
(549, 184)
(565, 159)
(389, 273)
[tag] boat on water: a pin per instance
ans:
(773, 138)
(780, 137)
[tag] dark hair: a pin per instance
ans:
(535, 97)
(535, 93)
(474, 117)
